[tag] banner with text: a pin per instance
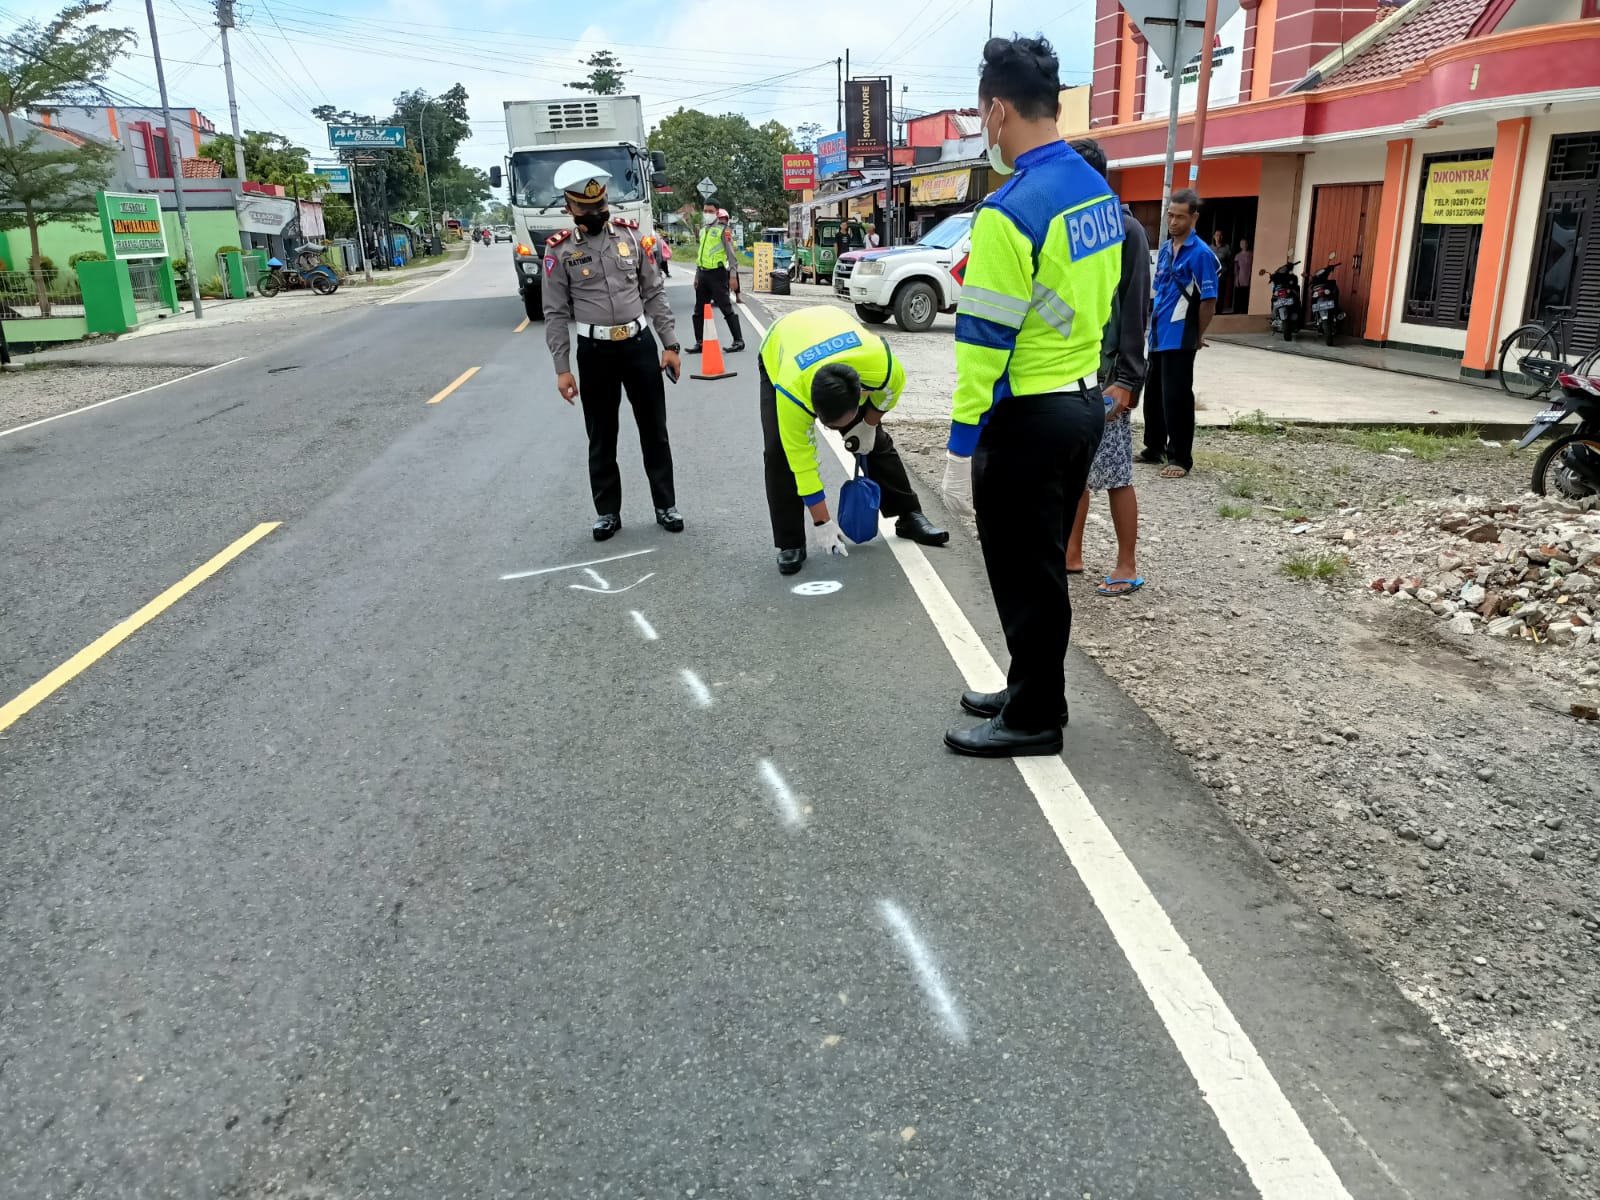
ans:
(866, 117)
(367, 137)
(1456, 193)
(833, 155)
(1227, 56)
(799, 172)
(133, 225)
(338, 178)
(948, 187)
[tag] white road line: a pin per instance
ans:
(1280, 1155)
(406, 295)
(595, 575)
(927, 970)
(645, 627)
(788, 806)
(593, 562)
(697, 688)
(125, 396)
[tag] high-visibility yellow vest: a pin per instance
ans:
(713, 253)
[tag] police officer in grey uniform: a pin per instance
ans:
(600, 284)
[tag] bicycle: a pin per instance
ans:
(1535, 355)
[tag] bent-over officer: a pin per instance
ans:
(716, 265)
(821, 364)
(600, 284)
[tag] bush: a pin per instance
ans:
(211, 287)
(229, 250)
(48, 268)
(83, 256)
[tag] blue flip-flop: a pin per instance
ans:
(1105, 589)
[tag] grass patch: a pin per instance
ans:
(1424, 446)
(1339, 469)
(1218, 463)
(1315, 566)
(1296, 515)
(1254, 423)
(1244, 486)
(1234, 512)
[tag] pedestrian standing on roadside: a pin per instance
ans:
(1224, 253)
(1027, 415)
(841, 243)
(1122, 371)
(716, 268)
(872, 238)
(1185, 302)
(1242, 262)
(601, 284)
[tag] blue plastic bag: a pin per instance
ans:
(858, 505)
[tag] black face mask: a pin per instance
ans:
(592, 223)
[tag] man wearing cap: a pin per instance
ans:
(716, 266)
(601, 283)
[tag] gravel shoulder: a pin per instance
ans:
(1431, 793)
(47, 391)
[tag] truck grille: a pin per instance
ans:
(841, 274)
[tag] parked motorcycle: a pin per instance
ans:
(1324, 295)
(1285, 299)
(1569, 467)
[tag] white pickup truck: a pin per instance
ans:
(910, 283)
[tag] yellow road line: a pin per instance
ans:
(465, 375)
(110, 640)
(525, 323)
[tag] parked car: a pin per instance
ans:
(910, 283)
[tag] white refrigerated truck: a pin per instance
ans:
(607, 131)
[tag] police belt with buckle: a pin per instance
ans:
(611, 333)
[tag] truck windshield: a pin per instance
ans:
(947, 232)
(533, 174)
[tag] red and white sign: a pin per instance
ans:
(799, 172)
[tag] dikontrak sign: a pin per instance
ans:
(133, 225)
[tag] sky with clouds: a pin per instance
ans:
(767, 59)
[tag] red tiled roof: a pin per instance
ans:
(202, 168)
(1410, 38)
(66, 135)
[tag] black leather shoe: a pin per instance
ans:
(670, 519)
(995, 739)
(606, 526)
(694, 349)
(789, 561)
(989, 704)
(736, 346)
(917, 528)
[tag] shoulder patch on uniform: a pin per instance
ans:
(555, 239)
(1094, 227)
(624, 222)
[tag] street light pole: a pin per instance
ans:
(225, 23)
(177, 162)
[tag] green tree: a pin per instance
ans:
(268, 158)
(461, 191)
(605, 75)
(744, 161)
(62, 61)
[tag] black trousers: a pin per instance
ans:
(788, 514)
(1031, 465)
(605, 370)
(711, 287)
(1169, 407)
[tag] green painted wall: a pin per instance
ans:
(60, 240)
(208, 230)
(47, 329)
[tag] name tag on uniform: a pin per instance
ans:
(578, 260)
(1092, 229)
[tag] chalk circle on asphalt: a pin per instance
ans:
(817, 587)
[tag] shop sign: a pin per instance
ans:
(866, 116)
(338, 178)
(263, 214)
(1227, 56)
(949, 187)
(799, 172)
(1456, 193)
(133, 225)
(762, 254)
(366, 137)
(833, 155)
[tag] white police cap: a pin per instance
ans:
(582, 182)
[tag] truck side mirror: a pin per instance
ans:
(658, 160)
(495, 177)
(658, 178)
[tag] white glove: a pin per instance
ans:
(861, 437)
(830, 538)
(957, 485)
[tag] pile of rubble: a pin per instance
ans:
(1527, 569)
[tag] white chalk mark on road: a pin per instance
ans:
(817, 587)
(645, 627)
(608, 590)
(927, 969)
(593, 562)
(697, 688)
(595, 575)
(782, 796)
(1266, 1133)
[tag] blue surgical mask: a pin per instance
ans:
(996, 163)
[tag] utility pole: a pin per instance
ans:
(991, 18)
(177, 162)
(355, 203)
(225, 23)
(427, 183)
(838, 70)
(1203, 94)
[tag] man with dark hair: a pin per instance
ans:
(820, 364)
(1122, 372)
(1186, 300)
(1028, 415)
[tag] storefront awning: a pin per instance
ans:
(860, 189)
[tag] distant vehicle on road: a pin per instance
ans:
(502, 233)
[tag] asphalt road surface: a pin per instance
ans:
(400, 849)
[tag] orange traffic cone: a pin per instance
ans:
(711, 354)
